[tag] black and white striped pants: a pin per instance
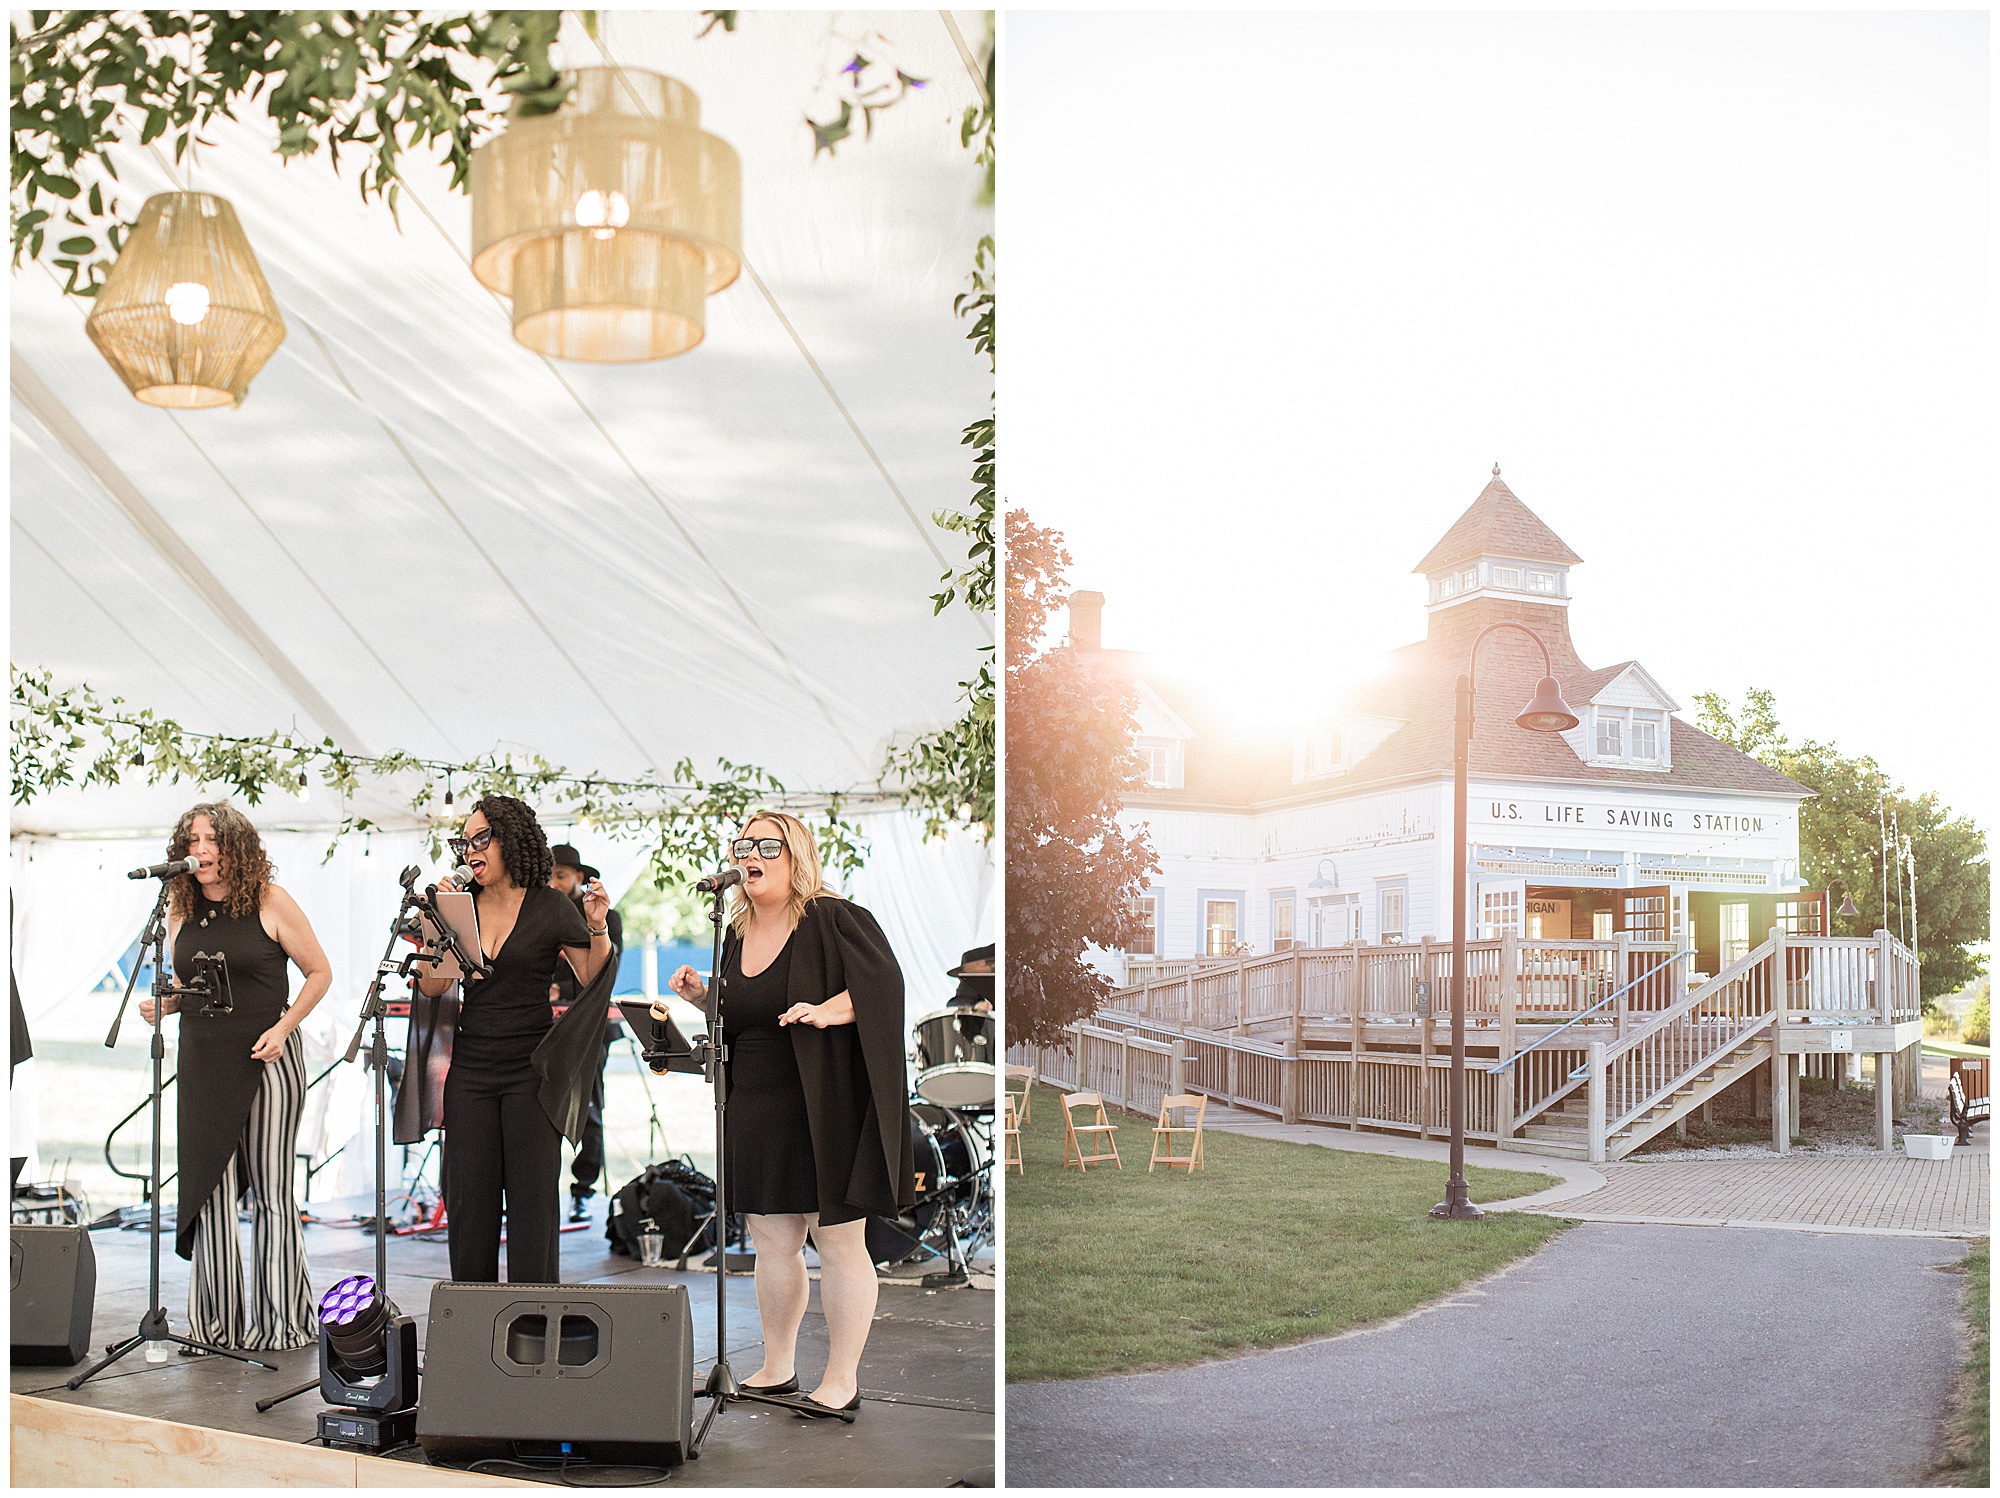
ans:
(278, 1313)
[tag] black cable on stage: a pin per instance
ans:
(566, 1466)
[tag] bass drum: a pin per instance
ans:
(955, 1050)
(951, 1191)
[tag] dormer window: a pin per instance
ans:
(1158, 759)
(1541, 582)
(1507, 577)
(1610, 737)
(1645, 737)
(1468, 579)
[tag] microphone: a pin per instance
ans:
(167, 870)
(463, 874)
(716, 883)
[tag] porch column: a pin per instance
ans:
(1596, 1103)
(1885, 1099)
(1781, 1100)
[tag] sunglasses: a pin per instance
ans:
(763, 847)
(477, 843)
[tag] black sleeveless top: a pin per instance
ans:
(219, 1078)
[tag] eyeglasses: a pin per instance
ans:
(460, 846)
(763, 847)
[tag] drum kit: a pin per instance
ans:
(954, 1056)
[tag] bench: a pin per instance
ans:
(1967, 1112)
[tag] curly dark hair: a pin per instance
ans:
(524, 847)
(246, 870)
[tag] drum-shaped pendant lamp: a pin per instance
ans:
(186, 317)
(610, 221)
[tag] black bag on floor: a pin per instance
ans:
(669, 1199)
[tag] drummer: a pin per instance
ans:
(975, 980)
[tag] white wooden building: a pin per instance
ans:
(1339, 829)
(1641, 938)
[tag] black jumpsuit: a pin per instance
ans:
(497, 1137)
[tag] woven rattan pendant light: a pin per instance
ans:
(186, 317)
(610, 221)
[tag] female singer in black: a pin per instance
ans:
(498, 1135)
(818, 1109)
(242, 1085)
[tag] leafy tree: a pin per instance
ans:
(380, 82)
(1072, 872)
(1840, 839)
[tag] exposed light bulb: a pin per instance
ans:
(965, 811)
(305, 790)
(603, 212)
(187, 302)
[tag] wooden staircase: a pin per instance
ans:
(1564, 1130)
(1657, 1074)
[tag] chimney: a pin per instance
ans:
(1086, 621)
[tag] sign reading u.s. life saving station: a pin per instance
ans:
(1340, 829)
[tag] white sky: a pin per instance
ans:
(1713, 289)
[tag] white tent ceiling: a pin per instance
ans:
(417, 535)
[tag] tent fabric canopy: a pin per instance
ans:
(417, 535)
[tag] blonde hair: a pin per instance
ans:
(808, 881)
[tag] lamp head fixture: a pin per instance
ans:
(1319, 879)
(1547, 713)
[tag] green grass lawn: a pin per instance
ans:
(1274, 1243)
(1968, 1460)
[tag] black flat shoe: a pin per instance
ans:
(809, 1408)
(789, 1386)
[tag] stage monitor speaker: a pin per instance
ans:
(53, 1281)
(597, 1373)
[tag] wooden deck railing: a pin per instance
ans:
(1194, 1029)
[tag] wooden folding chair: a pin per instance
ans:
(1025, 1075)
(1102, 1127)
(1193, 1105)
(1011, 1140)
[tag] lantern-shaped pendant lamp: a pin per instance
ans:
(610, 221)
(186, 317)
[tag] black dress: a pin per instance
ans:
(851, 1078)
(218, 1076)
(499, 1141)
(770, 1135)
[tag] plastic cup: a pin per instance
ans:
(650, 1248)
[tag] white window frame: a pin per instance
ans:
(1651, 725)
(1209, 926)
(1732, 944)
(1507, 577)
(1541, 582)
(1500, 909)
(1468, 580)
(1398, 895)
(1614, 723)
(1602, 924)
(1285, 905)
(1148, 905)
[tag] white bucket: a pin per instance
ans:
(1928, 1146)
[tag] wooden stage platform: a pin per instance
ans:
(927, 1380)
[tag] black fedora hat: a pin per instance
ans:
(965, 968)
(564, 856)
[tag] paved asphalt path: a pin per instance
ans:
(1619, 1356)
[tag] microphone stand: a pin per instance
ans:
(155, 1327)
(722, 1387)
(374, 1009)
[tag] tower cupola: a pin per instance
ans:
(1498, 548)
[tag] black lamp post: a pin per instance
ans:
(1546, 713)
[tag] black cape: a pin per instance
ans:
(853, 1072)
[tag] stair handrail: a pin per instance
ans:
(1686, 1005)
(1499, 1067)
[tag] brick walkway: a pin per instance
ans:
(1880, 1193)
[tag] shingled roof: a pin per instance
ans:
(1497, 525)
(1236, 765)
